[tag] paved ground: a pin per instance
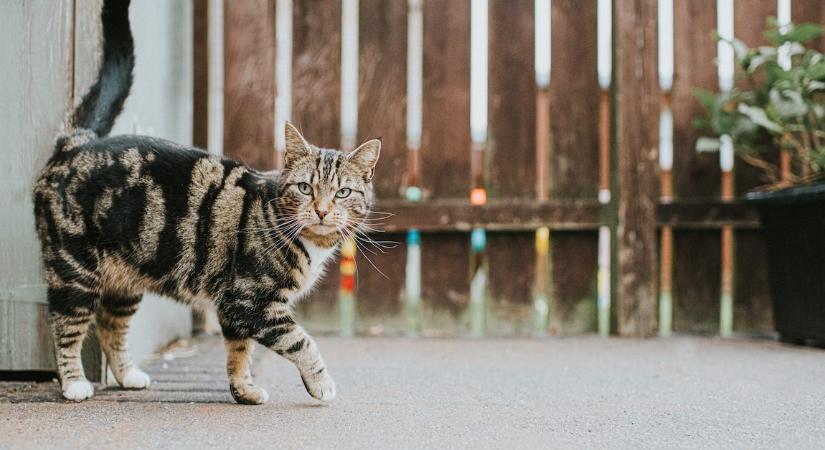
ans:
(578, 392)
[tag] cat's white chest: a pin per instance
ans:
(318, 258)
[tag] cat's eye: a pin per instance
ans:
(305, 188)
(343, 192)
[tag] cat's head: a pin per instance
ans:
(326, 192)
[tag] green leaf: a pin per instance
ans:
(700, 123)
(759, 117)
(707, 144)
(797, 33)
(706, 98)
(816, 71)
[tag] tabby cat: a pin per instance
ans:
(119, 216)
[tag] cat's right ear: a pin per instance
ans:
(296, 145)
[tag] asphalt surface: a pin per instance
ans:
(452, 393)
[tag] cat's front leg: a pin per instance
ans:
(238, 362)
(289, 340)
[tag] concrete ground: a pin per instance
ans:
(427, 393)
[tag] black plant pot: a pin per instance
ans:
(794, 225)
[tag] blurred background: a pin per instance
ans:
(538, 173)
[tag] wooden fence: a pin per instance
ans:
(590, 139)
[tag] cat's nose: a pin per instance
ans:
(321, 213)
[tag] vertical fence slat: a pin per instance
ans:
(694, 174)
(575, 261)
(445, 266)
(574, 164)
(696, 279)
(696, 253)
(316, 70)
(380, 307)
(200, 73)
(511, 282)
(445, 152)
(445, 157)
(249, 83)
(382, 91)
(512, 94)
(752, 304)
(637, 120)
(574, 101)
(511, 159)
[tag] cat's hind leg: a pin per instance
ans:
(238, 368)
(71, 310)
(113, 314)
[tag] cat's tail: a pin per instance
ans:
(104, 101)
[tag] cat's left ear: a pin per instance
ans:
(366, 157)
(296, 145)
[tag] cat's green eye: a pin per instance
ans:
(305, 188)
(343, 192)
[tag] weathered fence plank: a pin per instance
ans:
(249, 82)
(382, 89)
(637, 118)
(512, 100)
(574, 293)
(696, 279)
(574, 101)
(694, 174)
(511, 159)
(382, 94)
(445, 157)
(200, 73)
(445, 152)
(316, 70)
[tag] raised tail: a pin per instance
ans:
(104, 101)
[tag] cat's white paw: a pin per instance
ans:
(136, 379)
(78, 390)
(248, 394)
(321, 386)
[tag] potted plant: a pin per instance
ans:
(775, 120)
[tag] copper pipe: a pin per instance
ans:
(666, 195)
(412, 167)
(477, 165)
(727, 186)
(666, 267)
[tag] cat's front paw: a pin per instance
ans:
(320, 386)
(248, 394)
(136, 379)
(78, 390)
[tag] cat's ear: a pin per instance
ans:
(296, 146)
(365, 157)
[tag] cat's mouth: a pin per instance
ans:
(322, 229)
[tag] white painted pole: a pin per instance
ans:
(478, 70)
(214, 138)
(283, 70)
(349, 73)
